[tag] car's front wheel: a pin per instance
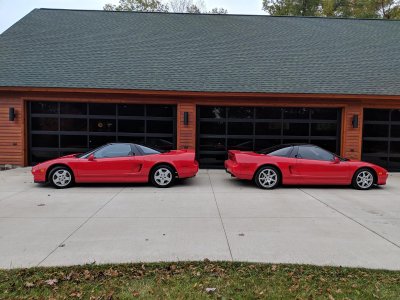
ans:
(363, 179)
(61, 177)
(267, 178)
(163, 176)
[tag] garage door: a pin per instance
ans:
(254, 128)
(61, 128)
(381, 138)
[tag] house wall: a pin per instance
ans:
(13, 135)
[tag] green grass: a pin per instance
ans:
(192, 280)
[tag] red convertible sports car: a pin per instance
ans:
(118, 162)
(302, 164)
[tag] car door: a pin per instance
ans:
(284, 157)
(112, 163)
(317, 166)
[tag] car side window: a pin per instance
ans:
(283, 152)
(114, 150)
(147, 150)
(314, 153)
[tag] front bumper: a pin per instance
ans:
(382, 178)
(39, 175)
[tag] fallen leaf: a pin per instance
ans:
(294, 288)
(211, 290)
(87, 274)
(172, 267)
(110, 295)
(135, 294)
(29, 284)
(76, 294)
(51, 282)
(111, 273)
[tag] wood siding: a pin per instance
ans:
(352, 137)
(186, 133)
(13, 135)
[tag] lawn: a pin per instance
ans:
(199, 280)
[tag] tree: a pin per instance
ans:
(198, 7)
(387, 9)
(138, 5)
(291, 7)
(186, 6)
(219, 11)
(178, 6)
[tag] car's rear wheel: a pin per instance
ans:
(267, 178)
(363, 179)
(61, 177)
(163, 176)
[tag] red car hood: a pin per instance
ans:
(69, 155)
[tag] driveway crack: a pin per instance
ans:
(352, 219)
(220, 217)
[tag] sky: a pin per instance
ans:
(13, 10)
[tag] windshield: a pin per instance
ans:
(87, 154)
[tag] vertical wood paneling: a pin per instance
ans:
(12, 134)
(352, 137)
(186, 134)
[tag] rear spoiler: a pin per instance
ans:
(232, 154)
(187, 150)
(234, 151)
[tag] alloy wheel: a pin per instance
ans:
(365, 179)
(62, 178)
(268, 178)
(163, 176)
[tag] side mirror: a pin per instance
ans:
(91, 157)
(336, 160)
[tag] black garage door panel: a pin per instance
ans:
(381, 138)
(254, 128)
(58, 128)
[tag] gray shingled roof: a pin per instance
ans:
(184, 52)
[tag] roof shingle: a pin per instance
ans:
(214, 53)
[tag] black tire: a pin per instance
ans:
(363, 179)
(61, 177)
(267, 178)
(163, 176)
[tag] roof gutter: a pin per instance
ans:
(199, 94)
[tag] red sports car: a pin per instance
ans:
(302, 164)
(118, 162)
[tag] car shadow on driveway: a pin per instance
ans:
(179, 182)
(250, 184)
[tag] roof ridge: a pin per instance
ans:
(220, 15)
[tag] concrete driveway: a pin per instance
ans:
(211, 216)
